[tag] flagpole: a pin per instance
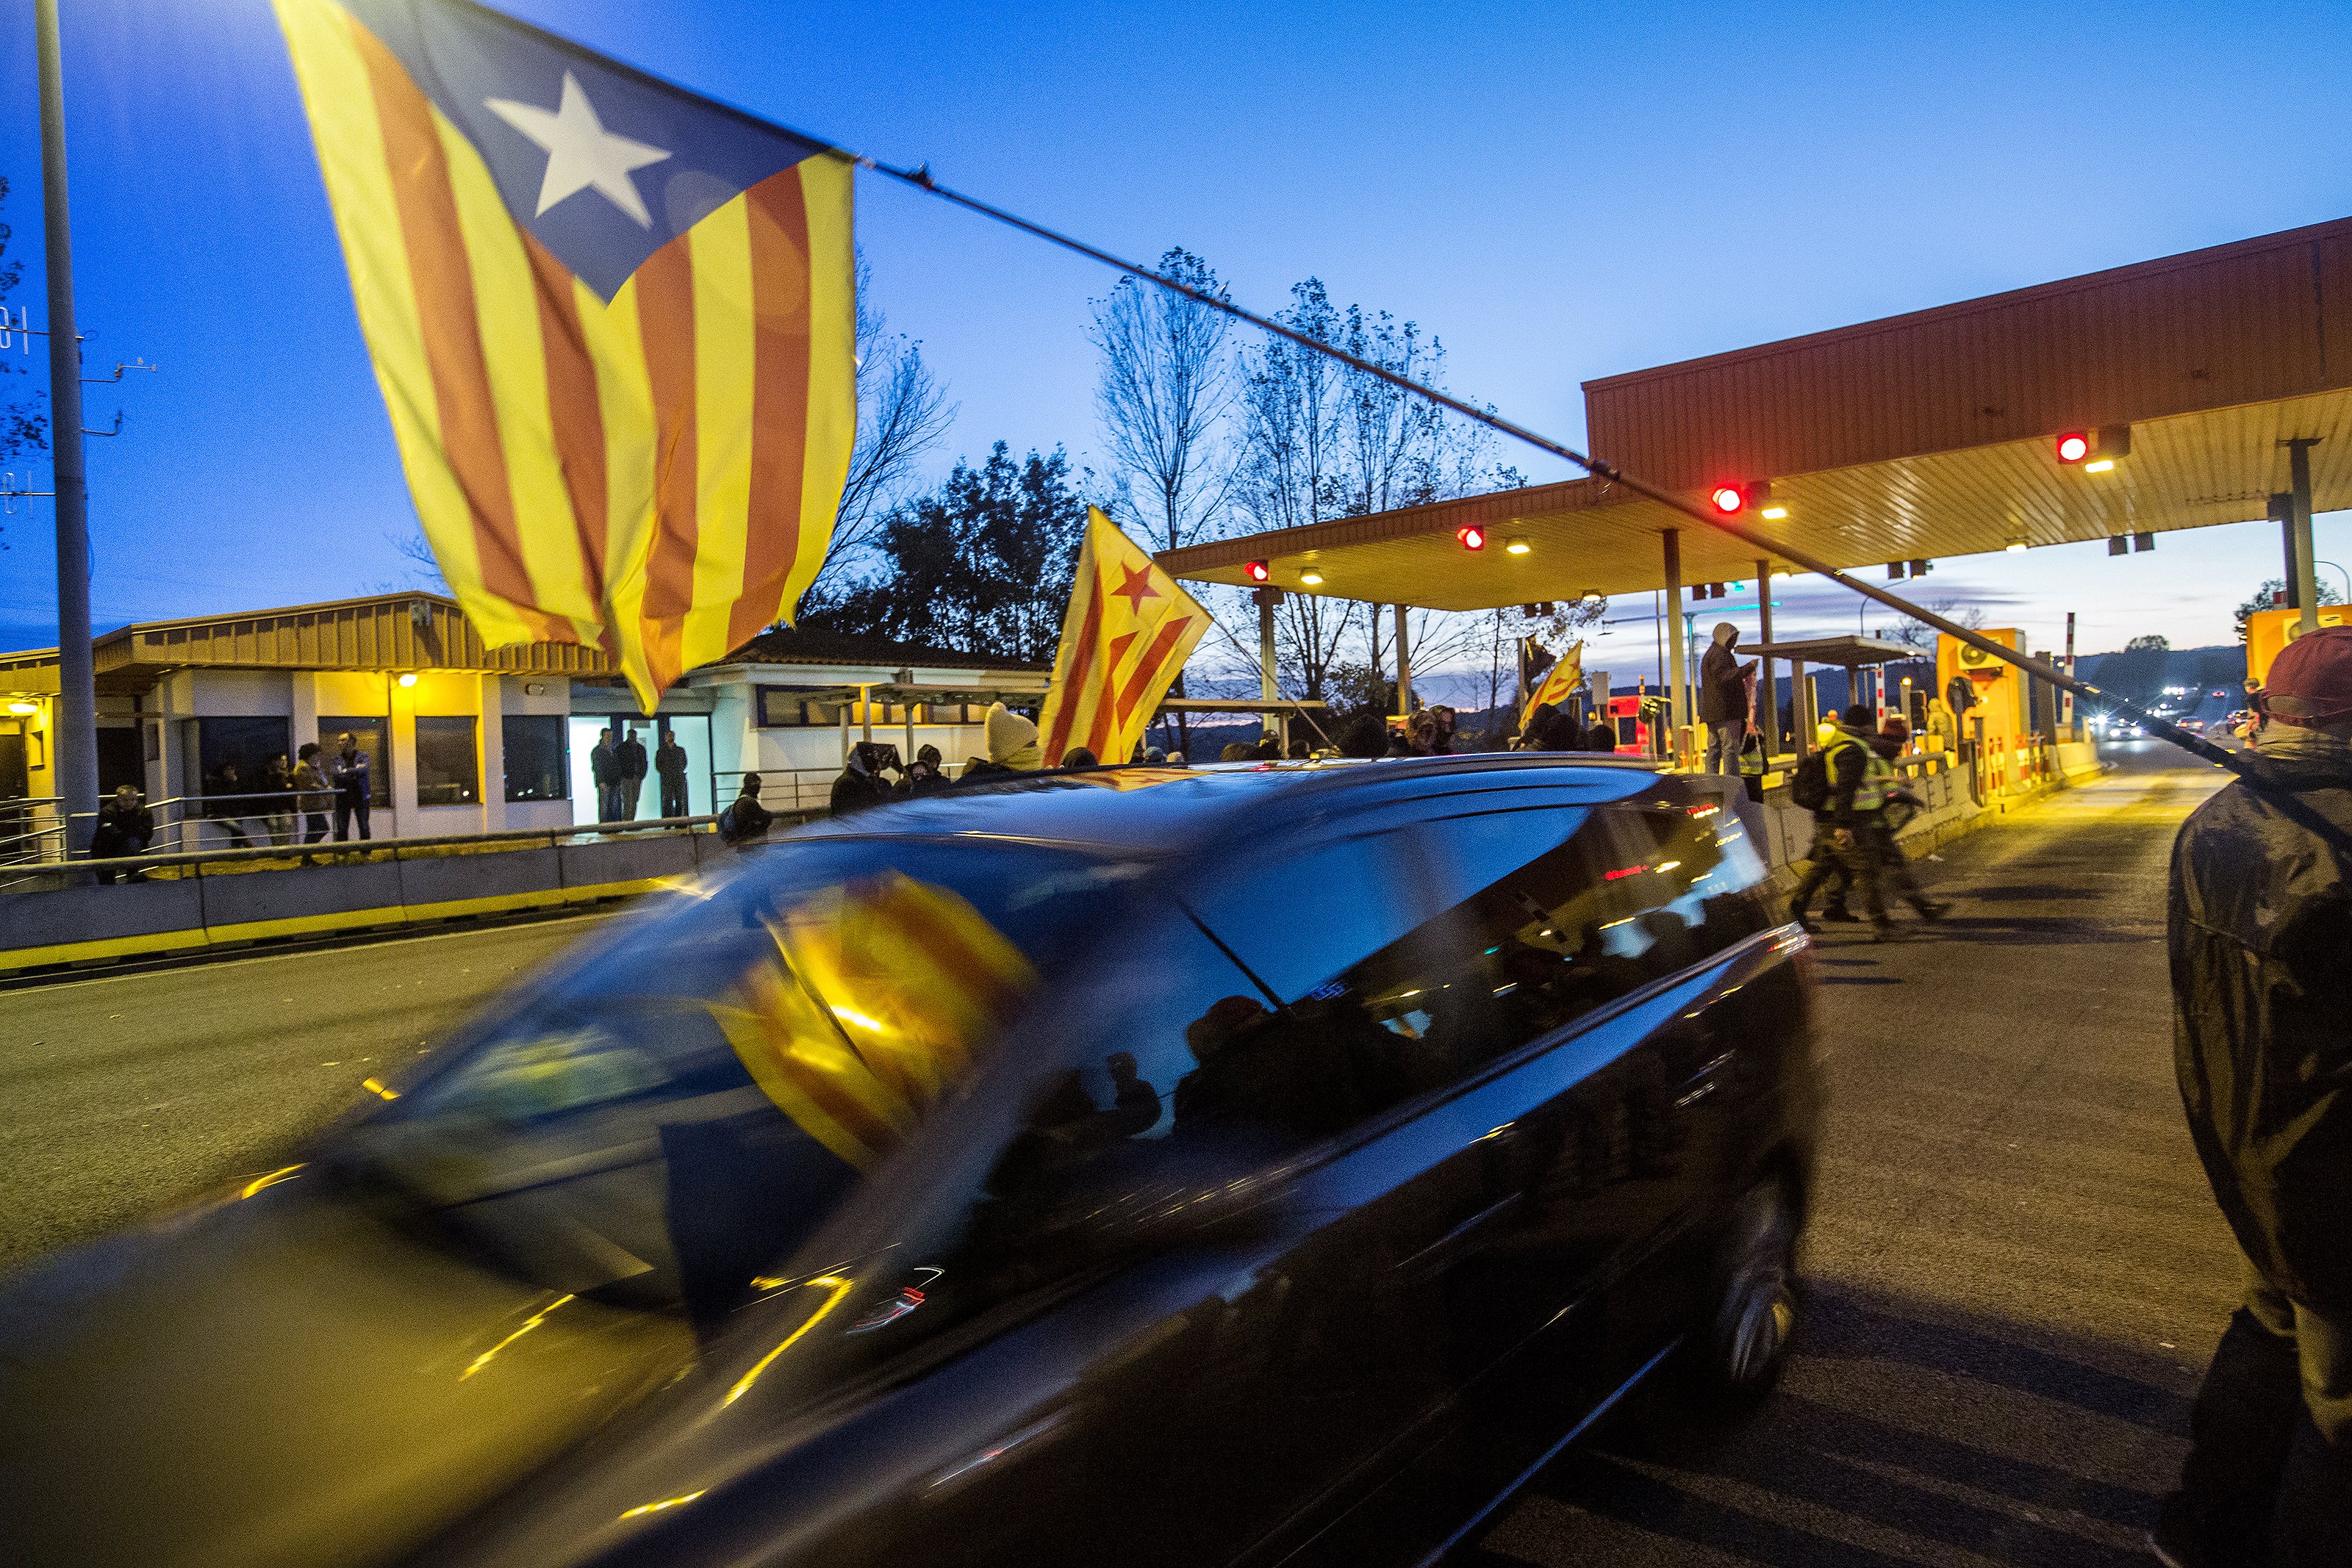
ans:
(74, 741)
(921, 178)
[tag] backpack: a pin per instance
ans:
(1810, 788)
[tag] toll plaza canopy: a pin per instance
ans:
(1918, 436)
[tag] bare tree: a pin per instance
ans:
(902, 414)
(1913, 633)
(1292, 404)
(1164, 388)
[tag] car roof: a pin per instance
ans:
(1151, 811)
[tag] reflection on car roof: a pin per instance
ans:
(1147, 808)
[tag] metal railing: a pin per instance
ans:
(350, 852)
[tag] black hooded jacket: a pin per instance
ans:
(2260, 932)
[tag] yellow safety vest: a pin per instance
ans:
(1877, 773)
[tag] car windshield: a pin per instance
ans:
(685, 1104)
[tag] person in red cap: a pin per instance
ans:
(2260, 933)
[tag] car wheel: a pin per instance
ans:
(1746, 1340)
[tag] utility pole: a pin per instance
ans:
(74, 743)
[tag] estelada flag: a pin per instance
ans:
(871, 1007)
(1559, 683)
(1125, 638)
(613, 323)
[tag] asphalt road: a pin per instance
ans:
(123, 1097)
(2016, 1272)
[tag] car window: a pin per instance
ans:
(681, 1104)
(1693, 878)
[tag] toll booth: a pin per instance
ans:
(2268, 631)
(1629, 718)
(1997, 718)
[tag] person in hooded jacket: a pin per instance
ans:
(1012, 747)
(861, 783)
(2259, 928)
(924, 776)
(1549, 729)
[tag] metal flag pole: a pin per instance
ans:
(74, 744)
(921, 178)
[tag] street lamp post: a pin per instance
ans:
(74, 745)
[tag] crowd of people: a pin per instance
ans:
(618, 766)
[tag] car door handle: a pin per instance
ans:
(1441, 1253)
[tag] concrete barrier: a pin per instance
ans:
(130, 917)
(398, 885)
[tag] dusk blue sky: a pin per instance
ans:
(1558, 194)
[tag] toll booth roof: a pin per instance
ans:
(1848, 652)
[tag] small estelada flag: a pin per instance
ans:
(615, 324)
(1559, 683)
(1125, 638)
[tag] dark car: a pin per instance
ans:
(1141, 1166)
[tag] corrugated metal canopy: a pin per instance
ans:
(1926, 435)
(385, 632)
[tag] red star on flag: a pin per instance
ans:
(1137, 588)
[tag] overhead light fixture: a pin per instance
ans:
(409, 679)
(1590, 596)
(1773, 514)
(1311, 578)
(1516, 546)
(2016, 547)
(23, 709)
(2099, 466)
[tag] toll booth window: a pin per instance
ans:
(448, 764)
(534, 747)
(367, 736)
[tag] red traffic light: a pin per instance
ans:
(1472, 536)
(2073, 446)
(1727, 498)
(1258, 571)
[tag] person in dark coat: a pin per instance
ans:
(2259, 927)
(1549, 729)
(861, 783)
(124, 828)
(670, 767)
(1723, 700)
(353, 790)
(745, 822)
(629, 774)
(924, 776)
(1601, 734)
(605, 773)
(1840, 826)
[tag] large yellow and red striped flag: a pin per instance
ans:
(1559, 683)
(613, 323)
(1125, 638)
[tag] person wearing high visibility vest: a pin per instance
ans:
(1838, 845)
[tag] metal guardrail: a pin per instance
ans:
(349, 851)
